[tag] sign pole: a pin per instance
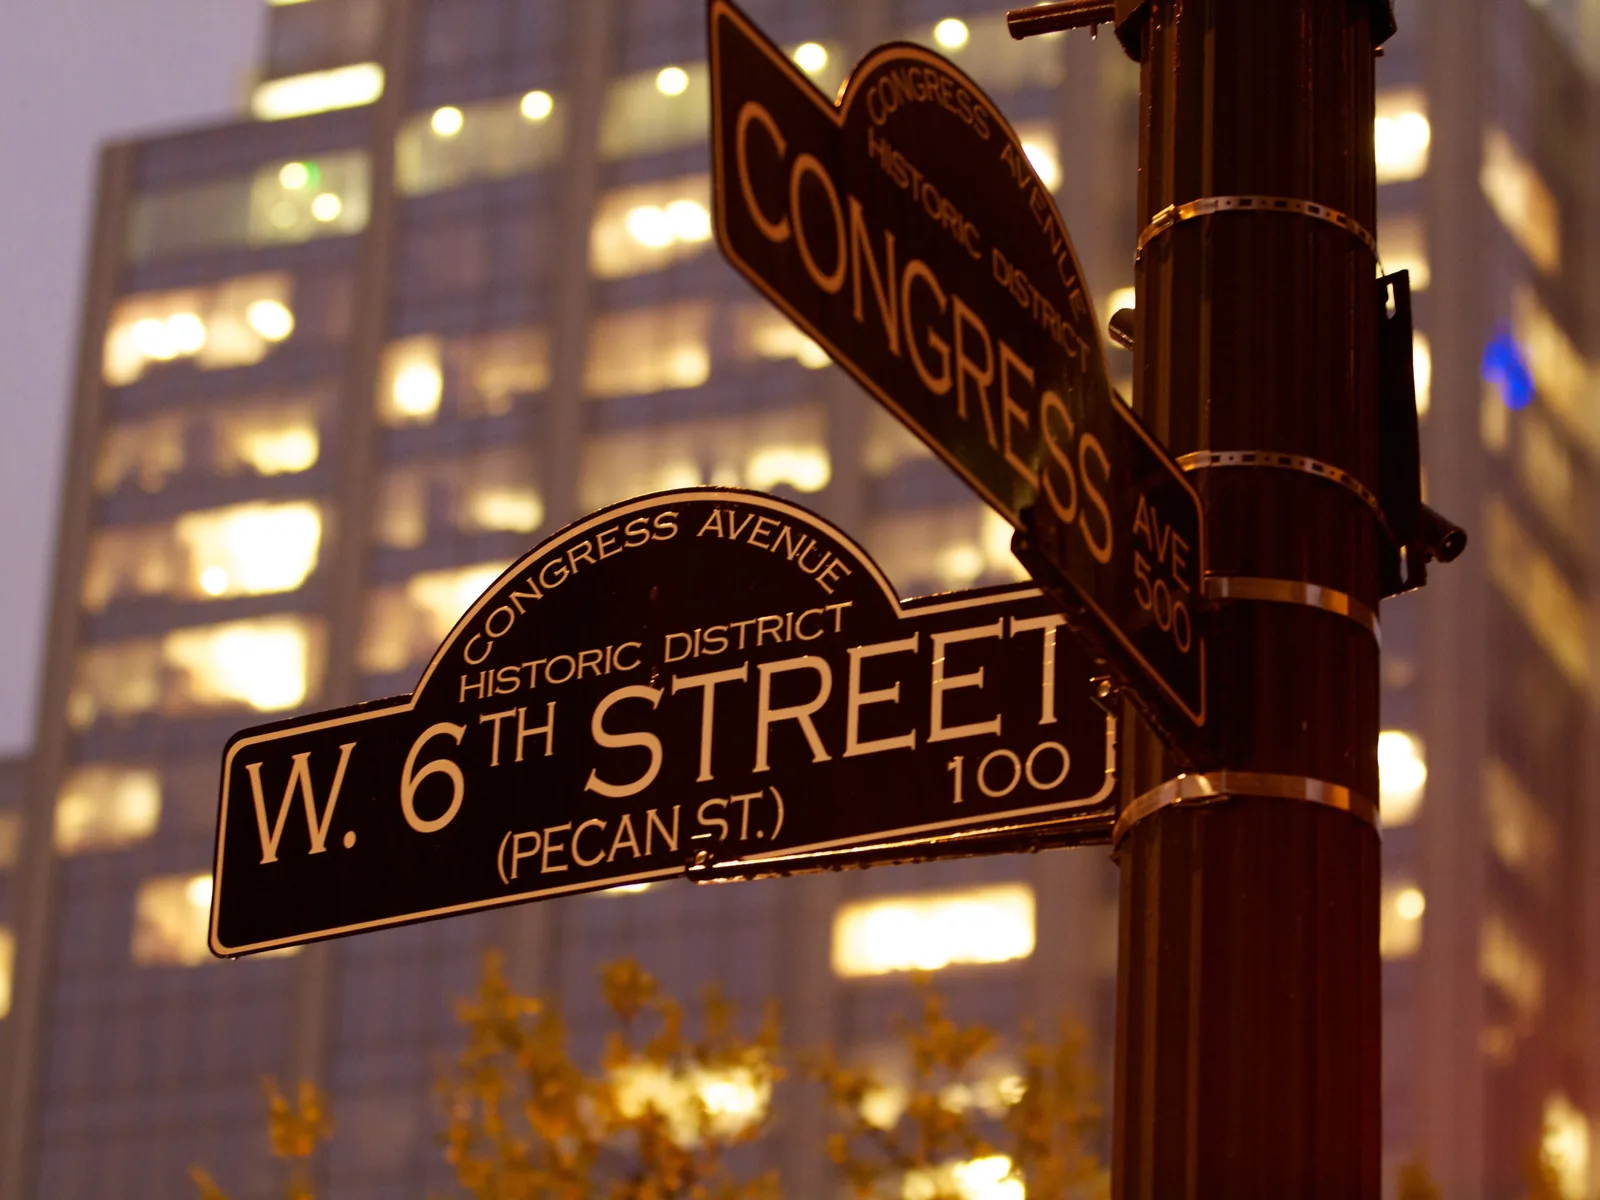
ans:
(1248, 1013)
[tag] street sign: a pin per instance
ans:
(906, 230)
(678, 680)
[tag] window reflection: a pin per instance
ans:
(470, 377)
(649, 350)
(265, 663)
(406, 622)
(496, 140)
(104, 807)
(251, 549)
(943, 548)
(279, 202)
(489, 492)
(1534, 586)
(646, 228)
(231, 324)
(762, 452)
(655, 110)
(1521, 199)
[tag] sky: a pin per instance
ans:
(75, 73)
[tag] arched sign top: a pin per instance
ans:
(905, 229)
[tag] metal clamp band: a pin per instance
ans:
(1200, 460)
(1294, 591)
(1212, 786)
(1175, 214)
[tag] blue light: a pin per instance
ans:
(1504, 367)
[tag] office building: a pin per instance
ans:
(450, 284)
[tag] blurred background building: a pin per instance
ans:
(450, 284)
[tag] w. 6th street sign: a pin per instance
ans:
(683, 680)
(906, 231)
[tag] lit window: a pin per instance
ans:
(230, 324)
(264, 663)
(1512, 966)
(640, 117)
(1537, 590)
(1521, 200)
(1122, 297)
(1400, 136)
(649, 350)
(722, 1101)
(8, 958)
(250, 549)
(1402, 777)
(489, 492)
(266, 438)
(246, 550)
(1562, 375)
(279, 203)
(537, 105)
(493, 140)
(810, 57)
(10, 839)
(446, 122)
(412, 382)
(1519, 832)
(646, 228)
(1564, 1147)
(986, 1178)
(480, 376)
(171, 915)
(1400, 910)
(945, 548)
(317, 91)
(276, 440)
(1405, 248)
(763, 332)
(672, 81)
(405, 624)
(119, 680)
(1043, 150)
(147, 453)
(951, 33)
(1422, 371)
(757, 451)
(105, 807)
(930, 930)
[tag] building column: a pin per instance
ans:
(1450, 1130)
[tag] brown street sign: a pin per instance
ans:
(905, 229)
(688, 679)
